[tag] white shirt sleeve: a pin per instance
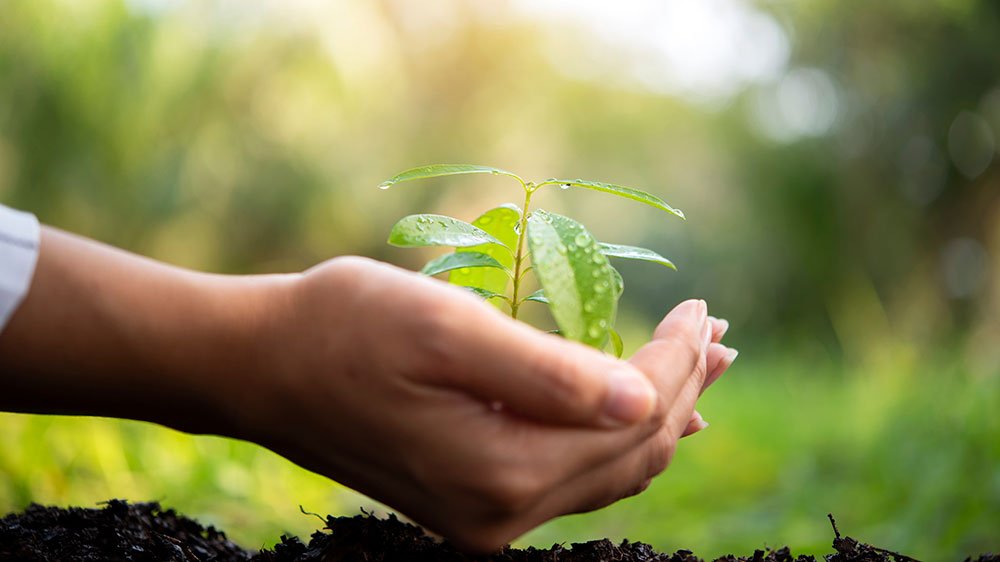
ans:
(19, 234)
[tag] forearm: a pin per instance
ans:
(106, 332)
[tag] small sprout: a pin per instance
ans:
(578, 284)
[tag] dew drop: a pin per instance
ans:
(596, 258)
(581, 239)
(588, 306)
(564, 186)
(494, 172)
(594, 331)
(486, 220)
(517, 229)
(561, 249)
(600, 288)
(602, 323)
(385, 186)
(572, 247)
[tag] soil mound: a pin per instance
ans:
(145, 532)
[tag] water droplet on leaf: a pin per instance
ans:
(594, 331)
(385, 186)
(582, 239)
(565, 186)
(561, 249)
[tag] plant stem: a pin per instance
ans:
(529, 188)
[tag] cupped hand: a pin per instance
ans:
(477, 426)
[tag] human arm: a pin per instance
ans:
(377, 377)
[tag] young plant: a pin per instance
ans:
(577, 283)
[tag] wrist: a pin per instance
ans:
(220, 371)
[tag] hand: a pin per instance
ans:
(384, 380)
(421, 396)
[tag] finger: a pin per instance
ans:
(675, 358)
(696, 424)
(717, 360)
(546, 378)
(619, 477)
(719, 328)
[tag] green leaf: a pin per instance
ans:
(618, 284)
(458, 260)
(437, 230)
(485, 293)
(537, 296)
(635, 253)
(575, 276)
(436, 170)
(616, 343)
(620, 190)
(500, 223)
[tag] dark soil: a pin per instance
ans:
(145, 532)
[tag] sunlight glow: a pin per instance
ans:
(702, 50)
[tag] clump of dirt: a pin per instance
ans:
(145, 532)
(141, 532)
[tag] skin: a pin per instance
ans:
(403, 387)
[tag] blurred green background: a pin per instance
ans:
(838, 164)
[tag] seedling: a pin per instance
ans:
(577, 283)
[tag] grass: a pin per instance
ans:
(905, 453)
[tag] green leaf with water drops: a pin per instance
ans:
(616, 343)
(621, 191)
(635, 253)
(486, 293)
(575, 276)
(458, 260)
(537, 296)
(436, 170)
(617, 283)
(500, 223)
(437, 230)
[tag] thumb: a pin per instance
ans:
(553, 380)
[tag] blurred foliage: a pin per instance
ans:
(842, 204)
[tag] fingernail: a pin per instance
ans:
(707, 337)
(700, 422)
(727, 360)
(724, 363)
(630, 399)
(721, 322)
(731, 355)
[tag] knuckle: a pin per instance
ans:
(433, 324)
